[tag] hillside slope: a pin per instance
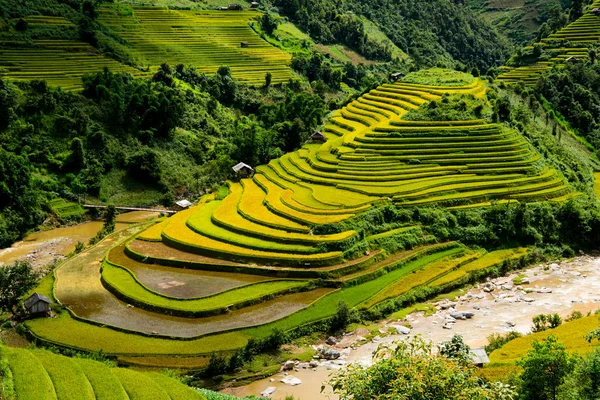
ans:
(42, 375)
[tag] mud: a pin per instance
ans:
(44, 247)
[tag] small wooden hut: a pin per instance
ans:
(254, 4)
(572, 60)
(245, 44)
(234, 6)
(318, 137)
(596, 11)
(243, 170)
(479, 357)
(37, 305)
(182, 204)
(394, 76)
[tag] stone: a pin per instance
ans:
(489, 287)
(447, 326)
(511, 324)
(268, 391)
(291, 380)
(331, 341)
(462, 315)
(401, 329)
(288, 366)
(476, 307)
(525, 281)
(528, 299)
(331, 354)
(313, 364)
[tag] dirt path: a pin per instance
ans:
(554, 288)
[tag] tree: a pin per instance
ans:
(268, 78)
(88, 8)
(21, 25)
(413, 371)
(268, 23)
(15, 281)
(456, 349)
(584, 382)
(545, 368)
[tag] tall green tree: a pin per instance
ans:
(15, 281)
(545, 369)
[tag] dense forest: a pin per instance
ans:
(432, 33)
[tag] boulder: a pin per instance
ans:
(462, 315)
(268, 391)
(288, 366)
(291, 380)
(330, 354)
(331, 341)
(313, 364)
(401, 329)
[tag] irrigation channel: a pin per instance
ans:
(555, 288)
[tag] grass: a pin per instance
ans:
(217, 43)
(175, 390)
(105, 385)
(67, 377)
(492, 259)
(124, 282)
(201, 222)
(139, 386)
(26, 368)
(420, 274)
(571, 334)
(65, 209)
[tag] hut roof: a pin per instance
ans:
(479, 356)
(239, 166)
(596, 10)
(183, 203)
(36, 297)
(317, 135)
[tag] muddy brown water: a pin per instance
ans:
(78, 287)
(41, 248)
(575, 286)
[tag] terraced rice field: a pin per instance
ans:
(226, 270)
(41, 375)
(570, 44)
(203, 39)
(59, 62)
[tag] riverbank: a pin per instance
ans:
(501, 305)
(45, 247)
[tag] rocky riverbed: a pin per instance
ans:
(499, 305)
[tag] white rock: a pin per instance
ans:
(401, 329)
(291, 380)
(268, 391)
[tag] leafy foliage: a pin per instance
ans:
(15, 281)
(412, 371)
(545, 368)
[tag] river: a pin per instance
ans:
(41, 248)
(554, 288)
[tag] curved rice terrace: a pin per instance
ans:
(569, 44)
(217, 274)
(205, 40)
(60, 377)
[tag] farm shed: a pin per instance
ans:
(243, 170)
(235, 7)
(596, 11)
(572, 60)
(245, 44)
(254, 4)
(479, 357)
(318, 137)
(394, 76)
(182, 204)
(37, 304)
